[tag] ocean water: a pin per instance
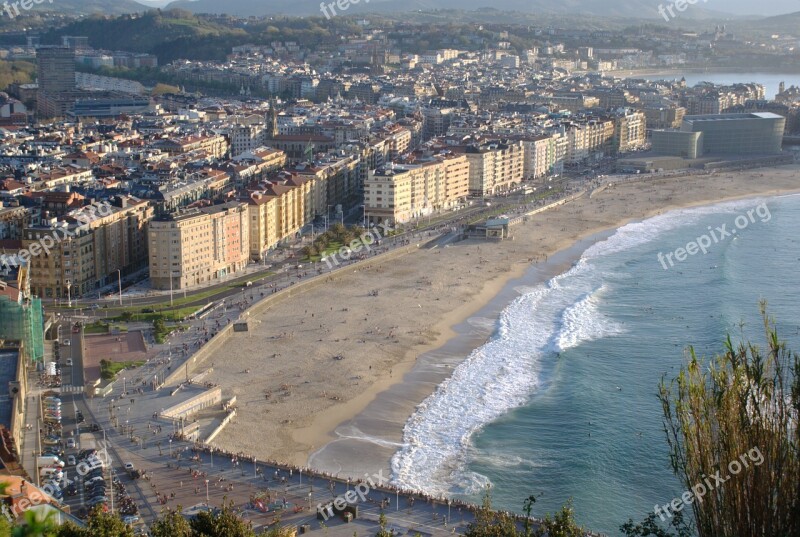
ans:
(770, 81)
(561, 402)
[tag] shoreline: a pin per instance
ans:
(323, 428)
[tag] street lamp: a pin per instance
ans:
(119, 279)
(170, 447)
(69, 296)
(207, 493)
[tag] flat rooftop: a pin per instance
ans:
(728, 117)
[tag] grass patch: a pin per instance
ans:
(109, 370)
(97, 327)
(332, 247)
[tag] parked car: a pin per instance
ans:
(71, 443)
(86, 453)
(71, 460)
(66, 342)
(69, 362)
(130, 519)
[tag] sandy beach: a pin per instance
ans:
(318, 360)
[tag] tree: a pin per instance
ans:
(562, 524)
(36, 524)
(733, 436)
(223, 523)
(382, 523)
(103, 524)
(489, 523)
(649, 527)
(171, 523)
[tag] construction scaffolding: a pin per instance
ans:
(23, 322)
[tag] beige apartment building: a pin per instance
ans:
(630, 131)
(398, 194)
(587, 139)
(275, 215)
(198, 246)
(89, 247)
(494, 167)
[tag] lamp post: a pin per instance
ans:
(119, 280)
(207, 493)
(170, 448)
(69, 296)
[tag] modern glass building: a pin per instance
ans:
(738, 134)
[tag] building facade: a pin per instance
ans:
(198, 246)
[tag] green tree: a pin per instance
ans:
(650, 527)
(382, 532)
(224, 523)
(489, 523)
(103, 524)
(36, 524)
(737, 419)
(562, 524)
(171, 523)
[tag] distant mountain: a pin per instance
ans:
(628, 9)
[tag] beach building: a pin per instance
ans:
(397, 194)
(494, 167)
(759, 133)
(195, 246)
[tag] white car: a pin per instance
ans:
(71, 460)
(70, 443)
(66, 342)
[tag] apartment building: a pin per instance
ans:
(214, 145)
(398, 194)
(120, 236)
(276, 214)
(630, 131)
(494, 167)
(585, 140)
(88, 247)
(246, 137)
(68, 270)
(197, 246)
(537, 156)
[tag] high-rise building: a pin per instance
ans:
(56, 75)
(55, 69)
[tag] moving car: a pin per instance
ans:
(71, 460)
(70, 443)
(69, 362)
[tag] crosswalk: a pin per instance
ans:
(69, 388)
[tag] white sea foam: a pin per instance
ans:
(504, 373)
